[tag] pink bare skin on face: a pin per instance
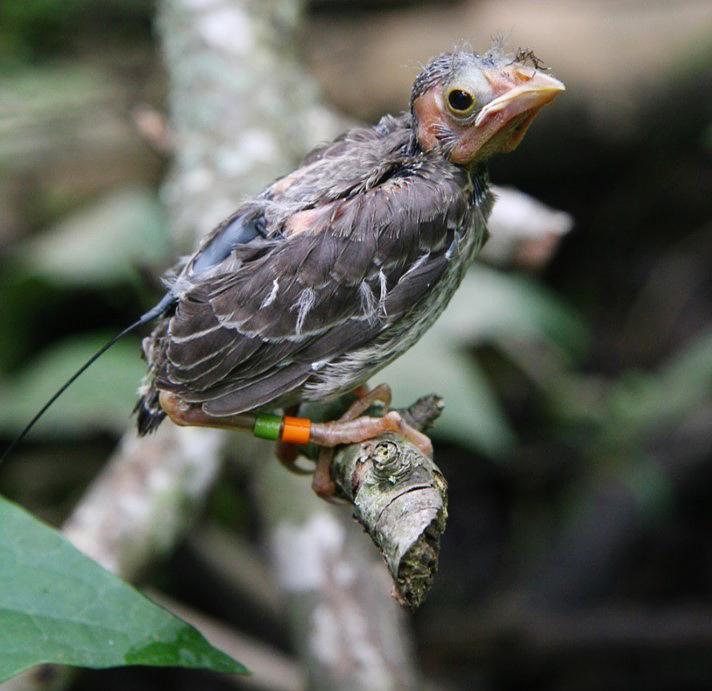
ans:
(484, 114)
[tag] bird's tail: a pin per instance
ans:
(160, 308)
(149, 413)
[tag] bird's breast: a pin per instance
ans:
(345, 373)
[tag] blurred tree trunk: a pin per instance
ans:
(243, 111)
(234, 65)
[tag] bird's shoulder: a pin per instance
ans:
(359, 160)
(368, 180)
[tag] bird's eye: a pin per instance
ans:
(461, 103)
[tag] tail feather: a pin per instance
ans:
(149, 413)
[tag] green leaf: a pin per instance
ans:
(102, 243)
(641, 400)
(40, 103)
(56, 605)
(472, 415)
(494, 306)
(101, 399)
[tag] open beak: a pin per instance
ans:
(529, 94)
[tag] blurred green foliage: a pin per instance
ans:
(100, 401)
(100, 247)
(102, 244)
(37, 29)
(507, 311)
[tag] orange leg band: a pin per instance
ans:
(296, 430)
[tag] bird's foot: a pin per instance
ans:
(322, 482)
(287, 454)
(331, 434)
(352, 428)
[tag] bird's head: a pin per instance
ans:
(472, 106)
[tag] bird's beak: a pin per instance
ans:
(524, 93)
(519, 92)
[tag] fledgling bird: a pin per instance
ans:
(333, 271)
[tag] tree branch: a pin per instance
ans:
(349, 632)
(400, 498)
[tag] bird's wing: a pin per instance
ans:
(342, 273)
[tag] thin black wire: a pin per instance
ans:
(63, 388)
(156, 311)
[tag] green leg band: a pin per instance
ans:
(267, 426)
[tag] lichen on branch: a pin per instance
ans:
(399, 496)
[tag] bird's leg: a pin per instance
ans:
(322, 483)
(187, 414)
(366, 398)
(287, 431)
(287, 453)
(352, 428)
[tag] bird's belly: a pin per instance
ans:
(344, 374)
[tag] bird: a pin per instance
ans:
(314, 285)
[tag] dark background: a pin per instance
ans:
(578, 552)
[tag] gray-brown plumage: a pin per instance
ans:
(313, 286)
